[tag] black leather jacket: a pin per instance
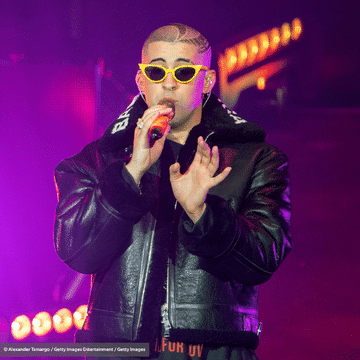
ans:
(143, 251)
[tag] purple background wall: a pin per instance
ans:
(49, 111)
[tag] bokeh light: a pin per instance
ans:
(261, 83)
(296, 29)
(242, 54)
(274, 39)
(285, 34)
(263, 45)
(231, 59)
(259, 47)
(253, 49)
(42, 324)
(62, 320)
(79, 316)
(21, 327)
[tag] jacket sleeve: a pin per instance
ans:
(96, 211)
(247, 245)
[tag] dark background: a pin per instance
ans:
(53, 102)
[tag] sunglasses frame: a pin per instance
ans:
(197, 69)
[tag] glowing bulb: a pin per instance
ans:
(36, 322)
(79, 316)
(231, 59)
(261, 83)
(296, 29)
(274, 39)
(243, 51)
(21, 327)
(57, 319)
(285, 33)
(41, 324)
(242, 54)
(253, 50)
(15, 326)
(63, 320)
(264, 44)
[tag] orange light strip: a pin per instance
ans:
(43, 323)
(251, 51)
(259, 47)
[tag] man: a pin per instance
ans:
(176, 233)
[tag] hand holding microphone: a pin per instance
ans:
(159, 125)
(150, 128)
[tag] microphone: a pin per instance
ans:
(158, 127)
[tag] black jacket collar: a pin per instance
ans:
(224, 124)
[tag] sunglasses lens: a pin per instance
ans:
(185, 73)
(154, 73)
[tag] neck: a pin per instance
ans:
(180, 133)
(179, 136)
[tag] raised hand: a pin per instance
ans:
(190, 189)
(143, 155)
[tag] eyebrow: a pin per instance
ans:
(177, 60)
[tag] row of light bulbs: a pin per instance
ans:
(259, 47)
(43, 323)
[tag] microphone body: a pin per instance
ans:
(159, 125)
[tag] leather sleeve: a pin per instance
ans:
(96, 211)
(250, 244)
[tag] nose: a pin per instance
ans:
(169, 83)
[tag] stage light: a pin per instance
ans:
(62, 320)
(274, 39)
(263, 45)
(248, 53)
(242, 54)
(258, 47)
(261, 83)
(296, 29)
(253, 50)
(42, 324)
(285, 34)
(231, 59)
(79, 316)
(21, 327)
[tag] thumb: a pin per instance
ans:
(174, 171)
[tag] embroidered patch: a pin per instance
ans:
(120, 126)
(234, 115)
(124, 117)
(164, 345)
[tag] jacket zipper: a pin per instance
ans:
(165, 319)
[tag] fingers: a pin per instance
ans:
(221, 177)
(146, 121)
(214, 163)
(211, 159)
(141, 136)
(203, 153)
(150, 115)
(207, 157)
(174, 171)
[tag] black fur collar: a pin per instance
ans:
(225, 124)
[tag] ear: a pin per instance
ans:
(140, 81)
(209, 82)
